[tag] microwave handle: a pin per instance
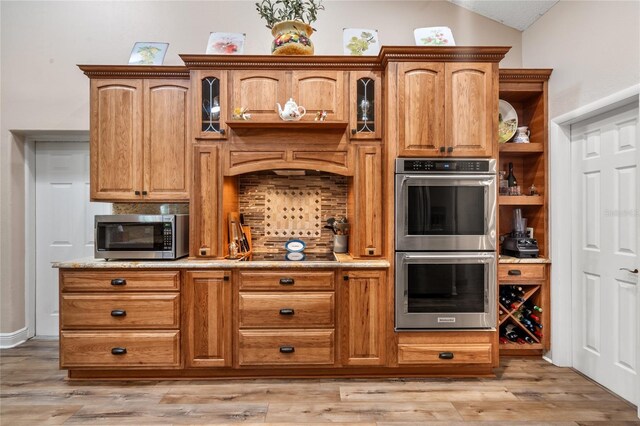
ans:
(406, 177)
(448, 256)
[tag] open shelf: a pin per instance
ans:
(520, 200)
(522, 148)
(281, 124)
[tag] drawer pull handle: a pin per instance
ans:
(445, 355)
(514, 272)
(118, 313)
(287, 349)
(118, 351)
(286, 281)
(118, 281)
(287, 311)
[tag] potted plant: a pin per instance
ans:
(289, 21)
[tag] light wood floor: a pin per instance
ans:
(33, 391)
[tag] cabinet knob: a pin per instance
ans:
(450, 149)
(445, 355)
(223, 131)
(442, 149)
(287, 281)
(287, 349)
(354, 131)
(515, 272)
(118, 281)
(144, 192)
(287, 311)
(118, 351)
(118, 313)
(136, 192)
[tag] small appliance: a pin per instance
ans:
(141, 236)
(519, 243)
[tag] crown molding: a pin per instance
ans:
(135, 71)
(524, 75)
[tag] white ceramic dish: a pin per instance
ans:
(507, 121)
(434, 36)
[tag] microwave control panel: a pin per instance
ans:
(444, 166)
(167, 232)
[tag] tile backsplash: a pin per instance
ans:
(279, 208)
(150, 208)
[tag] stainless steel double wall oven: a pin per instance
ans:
(445, 243)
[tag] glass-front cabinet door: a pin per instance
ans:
(364, 105)
(211, 103)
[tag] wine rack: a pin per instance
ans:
(533, 295)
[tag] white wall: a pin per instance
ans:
(42, 89)
(592, 46)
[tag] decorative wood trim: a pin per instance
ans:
(134, 71)
(442, 54)
(524, 75)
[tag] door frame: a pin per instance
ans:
(30, 215)
(560, 222)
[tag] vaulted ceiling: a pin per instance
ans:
(518, 14)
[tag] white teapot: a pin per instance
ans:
(291, 111)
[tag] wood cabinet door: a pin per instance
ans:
(259, 90)
(207, 319)
(367, 229)
(362, 317)
(365, 101)
(166, 140)
(116, 140)
(421, 109)
(204, 227)
(210, 103)
(320, 91)
(471, 109)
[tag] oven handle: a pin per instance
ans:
(449, 256)
(406, 177)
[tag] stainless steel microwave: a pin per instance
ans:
(141, 236)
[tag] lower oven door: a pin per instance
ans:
(445, 290)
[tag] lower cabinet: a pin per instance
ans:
(286, 347)
(444, 348)
(363, 322)
(119, 319)
(207, 314)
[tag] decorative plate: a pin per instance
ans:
(507, 121)
(434, 36)
(294, 256)
(295, 246)
(360, 41)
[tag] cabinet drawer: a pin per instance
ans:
(120, 280)
(120, 310)
(476, 353)
(283, 281)
(286, 347)
(521, 272)
(295, 310)
(119, 349)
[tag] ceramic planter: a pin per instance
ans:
(291, 38)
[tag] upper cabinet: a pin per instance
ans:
(139, 140)
(259, 91)
(446, 109)
(210, 93)
(319, 91)
(365, 114)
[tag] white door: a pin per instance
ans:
(605, 262)
(64, 220)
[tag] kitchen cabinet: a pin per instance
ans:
(259, 91)
(286, 318)
(363, 323)
(365, 102)
(446, 109)
(366, 237)
(204, 223)
(115, 319)
(209, 97)
(207, 318)
(320, 90)
(139, 140)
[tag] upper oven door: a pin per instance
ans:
(445, 212)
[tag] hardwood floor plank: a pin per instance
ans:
(240, 392)
(361, 412)
(144, 414)
(425, 392)
(35, 414)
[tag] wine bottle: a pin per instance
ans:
(511, 179)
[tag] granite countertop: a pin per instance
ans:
(510, 259)
(343, 261)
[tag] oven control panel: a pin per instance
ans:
(420, 165)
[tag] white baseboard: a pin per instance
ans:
(11, 340)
